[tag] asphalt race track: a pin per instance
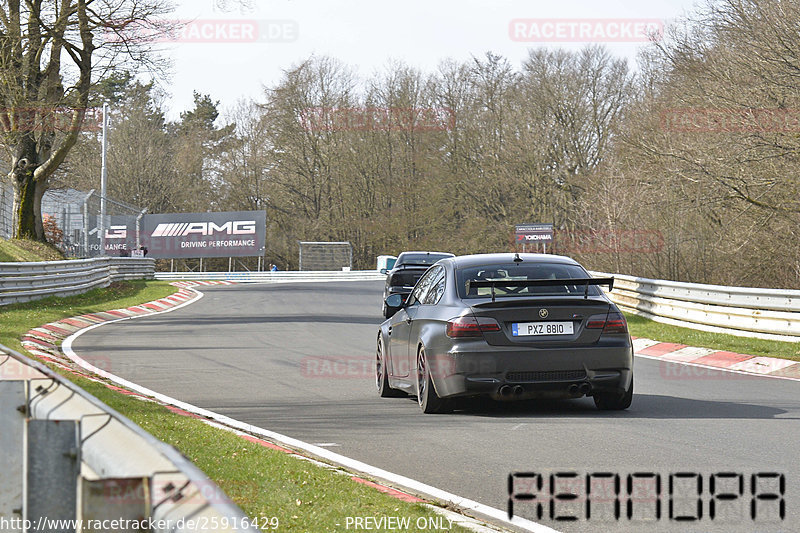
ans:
(297, 359)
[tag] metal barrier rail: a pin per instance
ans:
(748, 312)
(23, 282)
(762, 313)
(59, 442)
(274, 277)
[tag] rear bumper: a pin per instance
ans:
(474, 368)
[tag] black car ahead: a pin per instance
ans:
(409, 267)
(509, 327)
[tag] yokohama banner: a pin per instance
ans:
(534, 233)
(230, 234)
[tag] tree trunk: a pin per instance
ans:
(40, 187)
(28, 193)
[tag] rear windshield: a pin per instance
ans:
(523, 271)
(420, 259)
(405, 278)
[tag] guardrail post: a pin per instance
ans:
(86, 251)
(53, 467)
(12, 422)
(113, 271)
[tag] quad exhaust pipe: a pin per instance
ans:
(518, 390)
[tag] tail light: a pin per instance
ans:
(467, 326)
(610, 323)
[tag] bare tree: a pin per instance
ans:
(716, 135)
(50, 55)
(308, 110)
(247, 163)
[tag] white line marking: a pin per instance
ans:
(404, 482)
(461, 520)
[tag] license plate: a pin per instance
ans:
(535, 329)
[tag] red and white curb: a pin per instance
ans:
(44, 343)
(199, 283)
(717, 360)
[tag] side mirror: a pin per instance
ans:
(384, 271)
(395, 301)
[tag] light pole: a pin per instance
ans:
(103, 182)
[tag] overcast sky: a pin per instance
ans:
(236, 47)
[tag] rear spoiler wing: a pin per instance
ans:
(541, 283)
(410, 267)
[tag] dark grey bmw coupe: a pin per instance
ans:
(508, 326)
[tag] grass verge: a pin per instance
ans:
(26, 251)
(18, 319)
(643, 327)
(265, 483)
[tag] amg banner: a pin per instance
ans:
(119, 232)
(230, 234)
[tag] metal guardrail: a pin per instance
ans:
(748, 312)
(67, 456)
(274, 277)
(23, 282)
(761, 313)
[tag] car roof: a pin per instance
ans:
(464, 261)
(423, 253)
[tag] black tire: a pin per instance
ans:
(381, 377)
(428, 400)
(614, 402)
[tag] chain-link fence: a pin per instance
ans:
(75, 224)
(326, 256)
(6, 209)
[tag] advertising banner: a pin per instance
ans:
(120, 236)
(193, 235)
(534, 233)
